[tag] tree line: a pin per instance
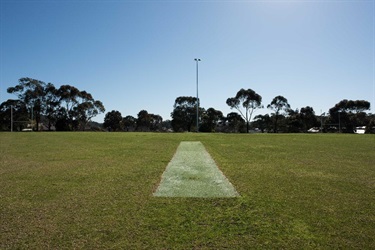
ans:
(41, 105)
(68, 109)
(145, 122)
(345, 116)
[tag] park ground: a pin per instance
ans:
(95, 190)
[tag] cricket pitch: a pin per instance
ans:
(193, 173)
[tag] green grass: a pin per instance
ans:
(95, 190)
(193, 173)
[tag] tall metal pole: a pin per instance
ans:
(197, 60)
(11, 118)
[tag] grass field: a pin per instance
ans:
(95, 190)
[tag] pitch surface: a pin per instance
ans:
(193, 173)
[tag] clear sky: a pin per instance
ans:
(135, 55)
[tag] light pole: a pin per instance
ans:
(11, 118)
(197, 60)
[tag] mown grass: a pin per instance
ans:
(94, 190)
(193, 173)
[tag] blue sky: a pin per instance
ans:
(135, 55)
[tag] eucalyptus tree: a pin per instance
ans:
(235, 123)
(279, 104)
(31, 92)
(263, 122)
(349, 114)
(308, 118)
(292, 122)
(52, 104)
(68, 98)
(87, 109)
(249, 100)
(113, 121)
(148, 122)
(210, 120)
(155, 122)
(129, 123)
(65, 107)
(351, 106)
(184, 113)
(16, 110)
(77, 107)
(143, 121)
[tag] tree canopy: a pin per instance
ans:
(278, 105)
(348, 114)
(67, 108)
(184, 113)
(249, 100)
(113, 121)
(351, 106)
(210, 120)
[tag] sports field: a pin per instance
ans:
(95, 190)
